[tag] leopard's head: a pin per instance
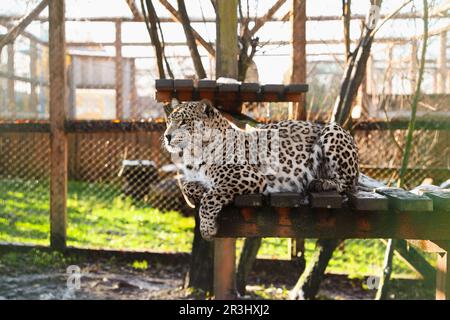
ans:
(183, 119)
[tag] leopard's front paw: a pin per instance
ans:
(208, 229)
(316, 185)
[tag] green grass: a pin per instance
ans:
(99, 217)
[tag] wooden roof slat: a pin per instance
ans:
(403, 200)
(183, 84)
(164, 84)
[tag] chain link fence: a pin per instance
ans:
(118, 179)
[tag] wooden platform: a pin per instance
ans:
(384, 213)
(227, 95)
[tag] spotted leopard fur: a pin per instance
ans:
(312, 157)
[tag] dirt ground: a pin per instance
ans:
(110, 279)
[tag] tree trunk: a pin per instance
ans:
(383, 288)
(308, 284)
(150, 18)
(248, 257)
(190, 39)
(202, 261)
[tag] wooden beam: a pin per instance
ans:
(443, 276)
(119, 70)
(58, 138)
(134, 10)
(442, 13)
(268, 16)
(33, 103)
(299, 67)
(226, 66)
(343, 223)
(11, 94)
(177, 17)
(442, 63)
(22, 24)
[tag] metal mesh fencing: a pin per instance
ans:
(24, 187)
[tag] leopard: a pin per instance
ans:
(299, 156)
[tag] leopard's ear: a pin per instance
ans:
(207, 107)
(168, 107)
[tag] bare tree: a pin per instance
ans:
(190, 39)
(151, 22)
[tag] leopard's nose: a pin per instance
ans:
(168, 137)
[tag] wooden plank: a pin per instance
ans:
(426, 245)
(11, 94)
(441, 199)
(443, 276)
(368, 201)
(207, 84)
(329, 200)
(33, 102)
(413, 258)
(296, 88)
(58, 138)
(207, 89)
(402, 200)
(249, 200)
(286, 200)
(250, 87)
(228, 87)
(15, 31)
(344, 223)
(183, 84)
(118, 70)
(164, 84)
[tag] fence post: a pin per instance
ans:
(442, 63)
(11, 104)
(58, 138)
(119, 71)
(32, 107)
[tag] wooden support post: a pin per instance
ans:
(14, 32)
(226, 66)
(443, 276)
(134, 95)
(33, 103)
(388, 81)
(58, 138)
(227, 42)
(442, 63)
(119, 71)
(413, 67)
(298, 22)
(224, 268)
(11, 101)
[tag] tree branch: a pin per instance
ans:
(190, 39)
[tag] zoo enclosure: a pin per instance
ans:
(126, 124)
